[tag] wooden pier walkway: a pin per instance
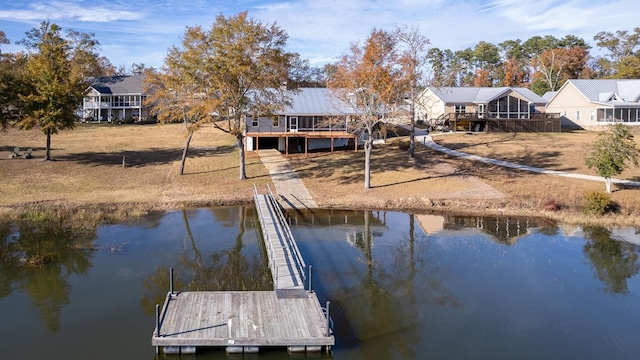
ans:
(243, 321)
(287, 266)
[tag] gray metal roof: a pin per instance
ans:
(115, 85)
(609, 91)
(482, 94)
(316, 101)
(549, 95)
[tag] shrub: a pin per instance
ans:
(402, 144)
(552, 205)
(598, 203)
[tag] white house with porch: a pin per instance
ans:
(115, 98)
(592, 103)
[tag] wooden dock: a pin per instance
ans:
(286, 264)
(243, 321)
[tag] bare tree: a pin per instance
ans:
(413, 47)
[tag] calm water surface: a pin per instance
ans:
(401, 286)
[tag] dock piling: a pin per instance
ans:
(328, 319)
(157, 319)
(171, 281)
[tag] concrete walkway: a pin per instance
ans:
(426, 140)
(293, 194)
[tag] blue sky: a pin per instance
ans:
(319, 30)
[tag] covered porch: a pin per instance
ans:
(300, 141)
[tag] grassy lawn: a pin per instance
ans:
(88, 171)
(88, 167)
(436, 181)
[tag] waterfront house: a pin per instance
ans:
(484, 109)
(592, 103)
(315, 120)
(115, 99)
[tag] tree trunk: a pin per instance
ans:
(412, 140)
(47, 154)
(412, 132)
(240, 144)
(184, 152)
(607, 182)
(367, 162)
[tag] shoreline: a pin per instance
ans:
(113, 212)
(94, 185)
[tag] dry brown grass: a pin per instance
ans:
(87, 173)
(435, 181)
(534, 192)
(88, 168)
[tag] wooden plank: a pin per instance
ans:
(258, 319)
(282, 262)
(288, 316)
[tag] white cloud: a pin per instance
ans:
(61, 10)
(321, 31)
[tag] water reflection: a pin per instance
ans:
(614, 260)
(37, 258)
(503, 229)
(401, 285)
(222, 270)
(378, 286)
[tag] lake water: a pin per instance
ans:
(401, 286)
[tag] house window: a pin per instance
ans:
(592, 116)
(254, 121)
(276, 120)
(460, 108)
(577, 115)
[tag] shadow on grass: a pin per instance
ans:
(348, 167)
(417, 179)
(543, 160)
(463, 145)
(187, 173)
(140, 158)
(10, 148)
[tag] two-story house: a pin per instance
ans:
(115, 98)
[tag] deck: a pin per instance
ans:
(305, 134)
(243, 318)
(243, 321)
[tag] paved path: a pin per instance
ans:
(292, 192)
(428, 141)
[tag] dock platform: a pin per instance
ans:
(244, 321)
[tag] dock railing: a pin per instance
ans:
(285, 231)
(268, 244)
(288, 237)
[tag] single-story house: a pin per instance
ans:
(589, 103)
(115, 98)
(479, 108)
(315, 120)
